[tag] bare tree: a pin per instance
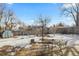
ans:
(7, 16)
(43, 22)
(73, 11)
(9, 19)
(2, 8)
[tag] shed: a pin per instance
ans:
(7, 34)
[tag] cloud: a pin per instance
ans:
(67, 20)
(68, 5)
(10, 3)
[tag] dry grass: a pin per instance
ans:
(41, 49)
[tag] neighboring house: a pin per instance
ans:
(19, 32)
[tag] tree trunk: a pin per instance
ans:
(77, 20)
(42, 33)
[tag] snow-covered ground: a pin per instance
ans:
(71, 39)
(22, 41)
(18, 41)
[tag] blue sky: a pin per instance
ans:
(28, 12)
